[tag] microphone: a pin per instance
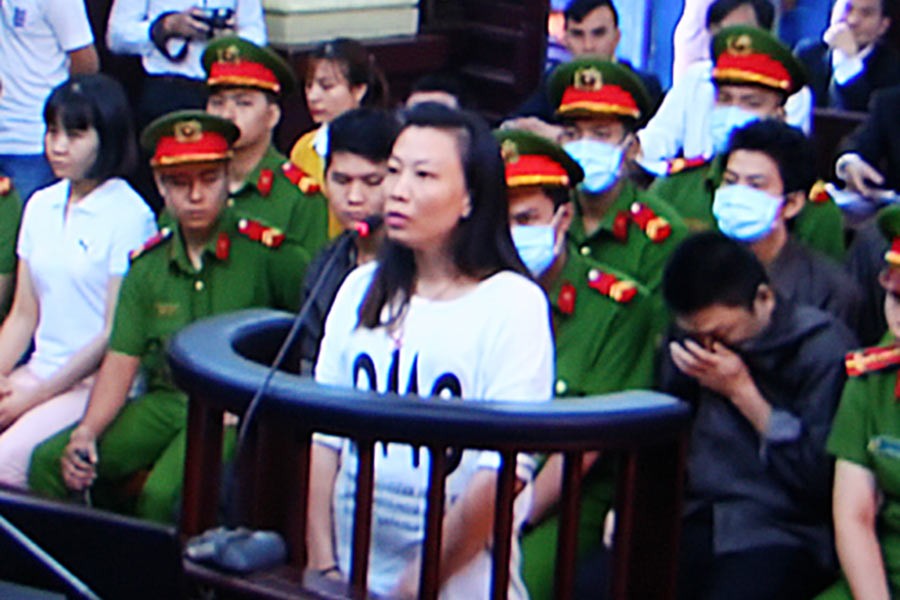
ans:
(366, 227)
(360, 230)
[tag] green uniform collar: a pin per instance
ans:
(225, 226)
(271, 161)
(627, 197)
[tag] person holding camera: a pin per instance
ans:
(170, 37)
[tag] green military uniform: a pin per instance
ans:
(624, 244)
(10, 216)
(161, 294)
(603, 345)
(866, 428)
(820, 225)
(273, 192)
(606, 327)
(866, 431)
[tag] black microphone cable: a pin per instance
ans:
(362, 229)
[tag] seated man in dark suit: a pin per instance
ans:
(591, 29)
(852, 60)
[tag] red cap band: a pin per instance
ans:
(243, 74)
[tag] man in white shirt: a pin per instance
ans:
(681, 126)
(170, 36)
(42, 43)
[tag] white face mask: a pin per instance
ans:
(536, 245)
(723, 120)
(601, 163)
(745, 213)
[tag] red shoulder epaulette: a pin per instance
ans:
(818, 193)
(5, 186)
(871, 360)
(678, 165)
(265, 181)
(566, 299)
(299, 177)
(271, 237)
(620, 290)
(157, 239)
(654, 227)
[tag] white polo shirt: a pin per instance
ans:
(71, 259)
(35, 36)
(129, 32)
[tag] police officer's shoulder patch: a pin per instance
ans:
(297, 176)
(154, 242)
(871, 360)
(271, 237)
(656, 228)
(818, 193)
(681, 165)
(6, 186)
(608, 284)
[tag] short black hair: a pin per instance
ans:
(763, 9)
(791, 150)
(366, 132)
(709, 269)
(577, 10)
(559, 195)
(442, 82)
(97, 101)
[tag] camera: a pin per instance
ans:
(216, 18)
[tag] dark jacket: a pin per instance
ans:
(881, 69)
(803, 276)
(878, 139)
(776, 491)
(344, 252)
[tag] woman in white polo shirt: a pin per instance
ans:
(73, 251)
(448, 313)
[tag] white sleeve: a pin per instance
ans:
(251, 24)
(520, 350)
(136, 227)
(663, 136)
(691, 38)
(798, 110)
(24, 244)
(69, 22)
(128, 29)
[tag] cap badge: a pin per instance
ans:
(740, 45)
(187, 132)
(588, 79)
(230, 54)
(509, 151)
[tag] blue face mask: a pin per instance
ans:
(744, 213)
(536, 245)
(723, 120)
(600, 161)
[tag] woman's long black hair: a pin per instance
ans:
(357, 65)
(481, 243)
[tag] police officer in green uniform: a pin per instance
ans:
(605, 325)
(754, 74)
(209, 263)
(245, 84)
(865, 439)
(600, 104)
(10, 217)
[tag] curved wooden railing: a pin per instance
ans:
(220, 363)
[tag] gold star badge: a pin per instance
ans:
(509, 151)
(588, 79)
(230, 54)
(188, 131)
(740, 45)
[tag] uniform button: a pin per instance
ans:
(585, 250)
(561, 387)
(198, 285)
(230, 203)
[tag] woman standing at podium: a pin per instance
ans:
(446, 312)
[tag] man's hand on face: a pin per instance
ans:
(715, 367)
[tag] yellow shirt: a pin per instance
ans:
(304, 155)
